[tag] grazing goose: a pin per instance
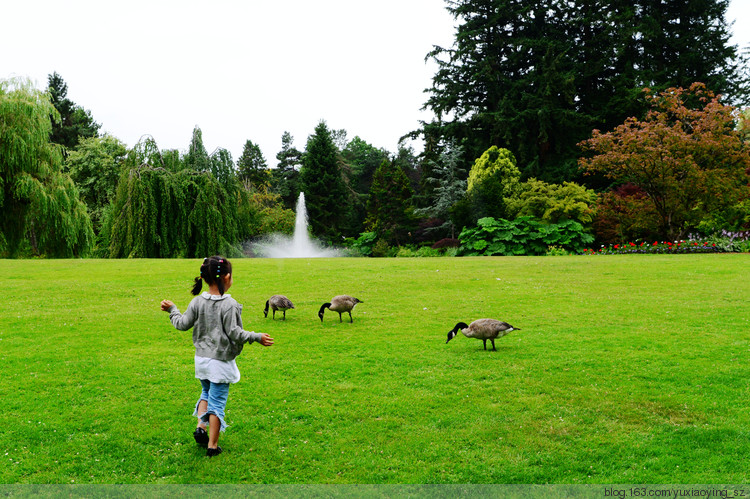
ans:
(341, 303)
(278, 302)
(483, 329)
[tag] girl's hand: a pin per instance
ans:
(266, 340)
(166, 305)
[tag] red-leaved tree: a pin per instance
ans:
(687, 156)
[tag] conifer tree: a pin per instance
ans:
(74, 122)
(252, 166)
(323, 185)
(536, 76)
(390, 213)
(448, 185)
(197, 157)
(285, 177)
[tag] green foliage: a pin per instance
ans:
(510, 78)
(447, 185)
(222, 168)
(557, 251)
(522, 236)
(41, 208)
(73, 123)
(323, 184)
(421, 252)
(285, 179)
(158, 212)
(389, 210)
(493, 179)
(94, 165)
(363, 159)
(381, 248)
(364, 243)
(553, 203)
(196, 158)
(252, 166)
(267, 213)
(532, 75)
(360, 161)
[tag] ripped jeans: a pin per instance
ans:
(216, 395)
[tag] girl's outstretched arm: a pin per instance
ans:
(180, 321)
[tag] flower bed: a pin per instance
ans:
(724, 242)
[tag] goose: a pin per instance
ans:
(483, 329)
(340, 303)
(278, 302)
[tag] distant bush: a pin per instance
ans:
(363, 244)
(522, 236)
(554, 203)
(382, 248)
(557, 251)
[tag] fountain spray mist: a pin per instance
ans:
(300, 245)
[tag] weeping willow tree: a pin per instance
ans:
(41, 211)
(161, 212)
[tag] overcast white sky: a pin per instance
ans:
(240, 69)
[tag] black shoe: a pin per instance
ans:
(201, 437)
(214, 452)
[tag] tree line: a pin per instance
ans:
(586, 116)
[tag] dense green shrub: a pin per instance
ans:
(553, 203)
(493, 179)
(363, 244)
(522, 236)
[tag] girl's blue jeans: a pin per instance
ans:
(216, 395)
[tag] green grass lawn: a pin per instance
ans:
(628, 369)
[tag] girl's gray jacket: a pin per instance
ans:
(217, 326)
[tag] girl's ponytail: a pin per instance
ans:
(197, 286)
(211, 271)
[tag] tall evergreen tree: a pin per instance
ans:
(390, 213)
(197, 157)
(285, 177)
(252, 166)
(74, 122)
(363, 158)
(509, 81)
(323, 185)
(535, 76)
(448, 181)
(685, 41)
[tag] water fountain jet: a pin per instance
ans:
(300, 245)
